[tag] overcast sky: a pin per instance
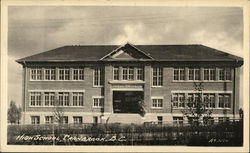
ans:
(33, 30)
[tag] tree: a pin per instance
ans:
(197, 107)
(14, 113)
(58, 112)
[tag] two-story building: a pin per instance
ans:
(106, 83)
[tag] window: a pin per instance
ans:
(228, 74)
(193, 98)
(98, 102)
(36, 74)
(49, 119)
(64, 74)
(160, 119)
(221, 74)
(49, 98)
(98, 77)
(63, 98)
(35, 99)
(77, 119)
(50, 74)
(223, 119)
(209, 74)
(77, 98)
(139, 73)
(178, 121)
(208, 120)
(78, 74)
(224, 101)
(35, 119)
(65, 120)
(157, 103)
(178, 100)
(194, 74)
(179, 74)
(157, 76)
(209, 99)
(116, 73)
(127, 73)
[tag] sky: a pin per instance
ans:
(35, 29)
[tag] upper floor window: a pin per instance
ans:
(98, 76)
(157, 76)
(116, 73)
(98, 102)
(179, 74)
(228, 74)
(64, 74)
(139, 73)
(78, 74)
(35, 119)
(157, 103)
(49, 98)
(35, 99)
(224, 101)
(194, 74)
(36, 74)
(127, 73)
(77, 98)
(225, 74)
(178, 100)
(209, 100)
(63, 98)
(50, 74)
(209, 74)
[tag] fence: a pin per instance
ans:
(218, 134)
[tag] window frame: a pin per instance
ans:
(37, 74)
(36, 120)
(157, 102)
(79, 101)
(98, 77)
(99, 102)
(157, 80)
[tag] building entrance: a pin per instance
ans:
(127, 101)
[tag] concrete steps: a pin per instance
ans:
(125, 118)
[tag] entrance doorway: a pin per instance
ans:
(127, 101)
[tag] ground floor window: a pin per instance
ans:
(77, 119)
(157, 103)
(160, 119)
(49, 119)
(178, 120)
(35, 119)
(223, 119)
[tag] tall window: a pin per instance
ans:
(179, 74)
(116, 73)
(228, 72)
(221, 74)
(63, 98)
(35, 99)
(157, 103)
(139, 73)
(35, 119)
(209, 74)
(77, 98)
(77, 119)
(98, 77)
(36, 74)
(98, 102)
(49, 98)
(209, 99)
(128, 73)
(157, 76)
(49, 119)
(178, 100)
(224, 101)
(50, 74)
(194, 74)
(78, 74)
(64, 74)
(65, 120)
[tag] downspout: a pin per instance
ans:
(234, 100)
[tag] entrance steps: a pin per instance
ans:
(125, 118)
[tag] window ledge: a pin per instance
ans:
(203, 81)
(97, 106)
(127, 82)
(56, 80)
(157, 108)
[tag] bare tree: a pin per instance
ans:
(197, 107)
(58, 112)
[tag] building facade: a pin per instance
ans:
(107, 84)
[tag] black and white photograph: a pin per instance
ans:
(126, 75)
